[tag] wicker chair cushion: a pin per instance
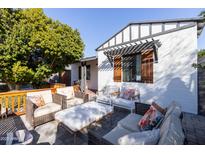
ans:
(115, 134)
(150, 137)
(124, 103)
(66, 91)
(173, 108)
(130, 122)
(171, 132)
(75, 101)
(47, 109)
(103, 98)
(46, 94)
(81, 116)
(109, 89)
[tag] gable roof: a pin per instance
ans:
(179, 24)
(88, 58)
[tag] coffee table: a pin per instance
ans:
(79, 117)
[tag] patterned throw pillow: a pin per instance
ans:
(128, 94)
(37, 100)
(150, 119)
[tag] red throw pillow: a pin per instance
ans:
(144, 122)
(150, 119)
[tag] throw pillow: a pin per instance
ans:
(159, 108)
(150, 137)
(37, 100)
(128, 94)
(150, 119)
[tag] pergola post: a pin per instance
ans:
(83, 77)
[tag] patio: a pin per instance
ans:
(52, 134)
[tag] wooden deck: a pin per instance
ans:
(194, 129)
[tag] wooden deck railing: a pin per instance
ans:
(15, 101)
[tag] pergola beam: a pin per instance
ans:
(131, 49)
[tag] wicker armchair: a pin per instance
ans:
(72, 97)
(40, 115)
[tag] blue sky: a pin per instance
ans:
(97, 25)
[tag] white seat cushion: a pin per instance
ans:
(128, 104)
(171, 132)
(46, 94)
(81, 116)
(115, 134)
(46, 109)
(66, 91)
(149, 137)
(173, 108)
(103, 98)
(130, 122)
(74, 102)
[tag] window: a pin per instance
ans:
(135, 68)
(131, 68)
(87, 72)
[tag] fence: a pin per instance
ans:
(15, 102)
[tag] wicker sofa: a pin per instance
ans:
(171, 131)
(40, 115)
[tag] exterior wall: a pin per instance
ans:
(74, 72)
(174, 77)
(92, 83)
(139, 31)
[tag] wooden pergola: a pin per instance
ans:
(132, 48)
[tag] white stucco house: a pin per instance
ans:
(154, 56)
(91, 66)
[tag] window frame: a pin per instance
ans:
(141, 64)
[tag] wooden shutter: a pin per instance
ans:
(117, 69)
(147, 67)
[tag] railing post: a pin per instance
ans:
(19, 103)
(24, 104)
(12, 103)
(0, 104)
(6, 103)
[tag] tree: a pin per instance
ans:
(33, 46)
(202, 14)
(201, 52)
(201, 55)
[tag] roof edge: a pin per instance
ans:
(151, 36)
(196, 19)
